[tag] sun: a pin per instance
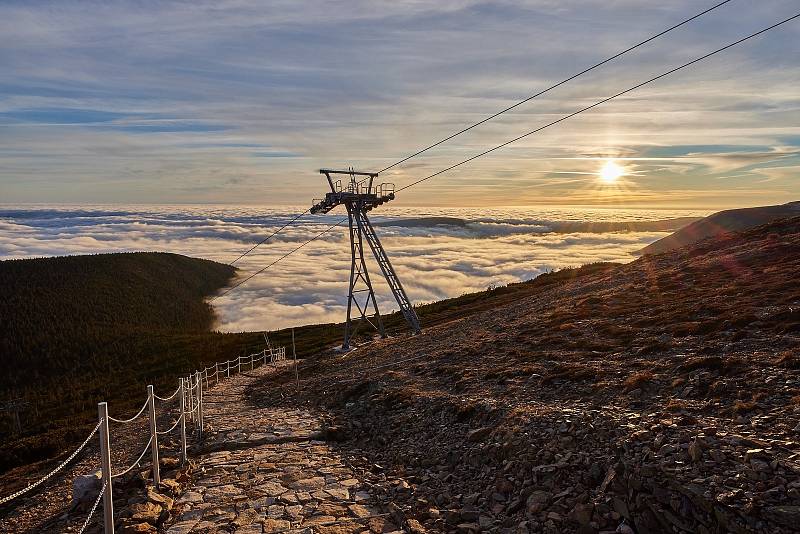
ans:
(611, 172)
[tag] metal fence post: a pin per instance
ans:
(216, 373)
(183, 420)
(151, 401)
(105, 465)
(228, 369)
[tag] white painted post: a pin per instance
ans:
(228, 369)
(105, 466)
(296, 370)
(151, 401)
(183, 420)
(216, 373)
(190, 403)
(200, 407)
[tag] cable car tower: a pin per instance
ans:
(359, 196)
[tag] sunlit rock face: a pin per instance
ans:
(438, 253)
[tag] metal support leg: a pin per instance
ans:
(360, 283)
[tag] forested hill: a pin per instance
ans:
(77, 330)
(135, 290)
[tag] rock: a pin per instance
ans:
(271, 525)
(134, 528)
(246, 517)
(757, 454)
(85, 488)
(358, 510)
(168, 462)
(695, 451)
(146, 512)
(478, 434)
(308, 484)
(415, 527)
(182, 527)
(582, 513)
(537, 501)
(786, 515)
(157, 498)
(171, 486)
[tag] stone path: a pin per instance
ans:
(267, 470)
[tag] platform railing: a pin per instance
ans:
(189, 396)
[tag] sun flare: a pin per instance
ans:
(611, 172)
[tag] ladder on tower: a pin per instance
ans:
(388, 271)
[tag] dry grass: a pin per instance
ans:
(675, 405)
(573, 372)
(787, 359)
(741, 407)
(637, 380)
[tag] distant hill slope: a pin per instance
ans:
(721, 222)
(80, 329)
(638, 391)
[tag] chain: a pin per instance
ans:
(94, 508)
(54, 471)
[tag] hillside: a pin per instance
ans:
(664, 392)
(77, 330)
(718, 223)
(82, 329)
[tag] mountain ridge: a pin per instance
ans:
(720, 222)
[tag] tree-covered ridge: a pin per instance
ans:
(80, 329)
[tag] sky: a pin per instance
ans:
(241, 101)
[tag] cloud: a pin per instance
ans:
(171, 102)
(311, 286)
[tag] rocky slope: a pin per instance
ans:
(658, 396)
(724, 221)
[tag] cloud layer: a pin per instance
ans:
(495, 246)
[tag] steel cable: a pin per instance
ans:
(273, 234)
(58, 468)
(559, 84)
(493, 116)
(141, 457)
(603, 101)
(279, 259)
(564, 118)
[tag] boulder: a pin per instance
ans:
(85, 488)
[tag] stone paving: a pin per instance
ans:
(267, 470)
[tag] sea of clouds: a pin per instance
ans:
(438, 253)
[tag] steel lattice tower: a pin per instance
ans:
(359, 196)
